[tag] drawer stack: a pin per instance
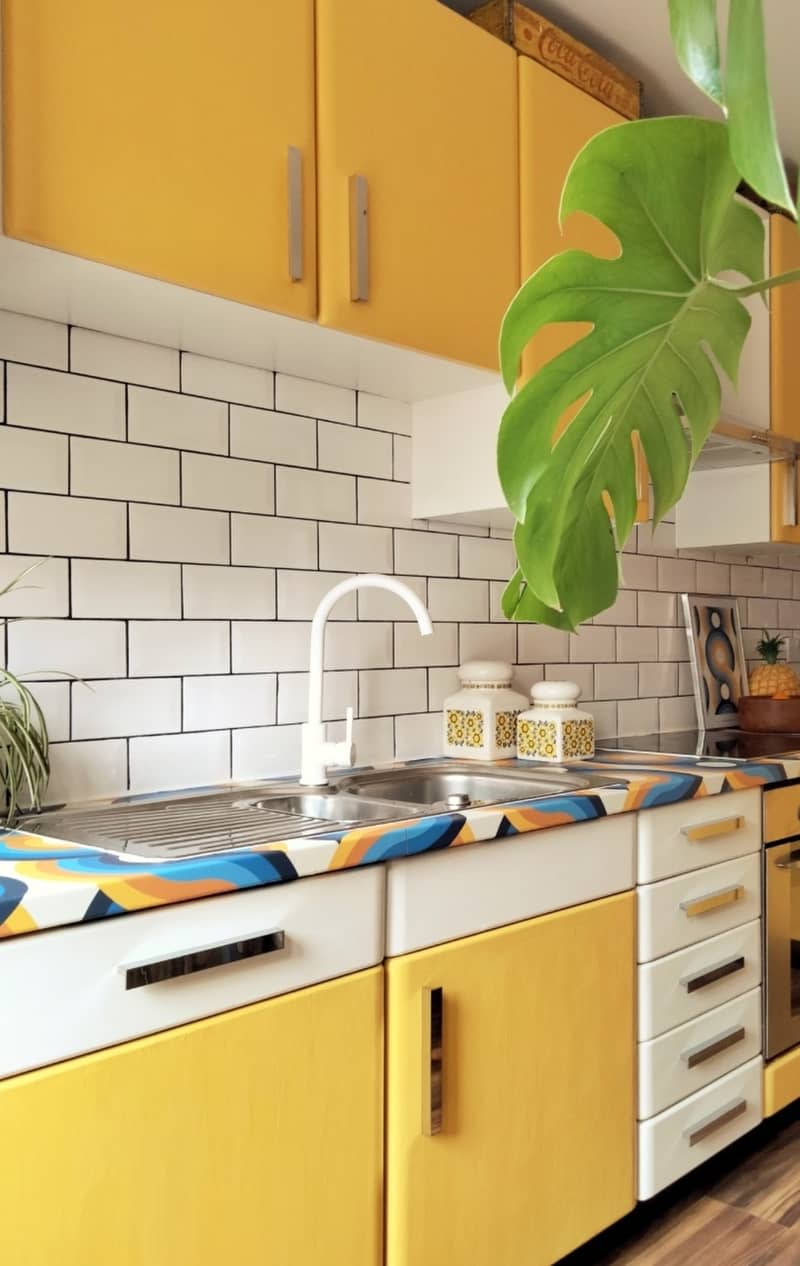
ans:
(699, 982)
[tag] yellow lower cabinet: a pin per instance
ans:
(535, 1149)
(251, 1139)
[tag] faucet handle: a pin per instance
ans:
(344, 753)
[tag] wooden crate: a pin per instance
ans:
(533, 35)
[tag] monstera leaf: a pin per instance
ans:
(663, 322)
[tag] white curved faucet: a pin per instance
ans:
(317, 752)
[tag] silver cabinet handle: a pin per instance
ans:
(153, 971)
(709, 975)
(359, 239)
(713, 830)
(712, 901)
(792, 862)
(695, 1055)
(715, 1121)
(295, 184)
(432, 1062)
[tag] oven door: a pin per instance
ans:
(782, 887)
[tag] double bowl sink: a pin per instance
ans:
(199, 824)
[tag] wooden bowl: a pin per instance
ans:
(769, 716)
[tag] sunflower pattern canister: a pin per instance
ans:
(480, 720)
(554, 728)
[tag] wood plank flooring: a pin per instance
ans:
(740, 1209)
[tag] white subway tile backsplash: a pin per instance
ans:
(261, 540)
(656, 680)
(383, 414)
(391, 691)
(53, 698)
(171, 648)
(539, 644)
(35, 460)
(224, 380)
(52, 401)
(714, 578)
(657, 609)
(227, 483)
(486, 558)
(43, 591)
(417, 735)
(760, 612)
(265, 436)
(747, 582)
(622, 612)
(380, 604)
(581, 674)
(383, 503)
(228, 593)
(126, 590)
(411, 649)
(401, 458)
(638, 716)
(443, 682)
(266, 752)
(635, 644)
(32, 341)
(83, 648)
(66, 526)
(592, 644)
(270, 646)
(788, 614)
(300, 592)
(315, 399)
(677, 575)
(660, 540)
(354, 547)
(354, 450)
(107, 356)
(178, 535)
(672, 644)
(458, 599)
(426, 553)
(125, 472)
(82, 771)
(113, 709)
(170, 420)
(677, 714)
(606, 719)
(374, 738)
(164, 761)
(362, 645)
(639, 571)
(616, 681)
(313, 494)
(488, 641)
(226, 702)
(777, 584)
(339, 692)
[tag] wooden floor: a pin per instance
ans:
(740, 1209)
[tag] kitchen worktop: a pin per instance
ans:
(46, 883)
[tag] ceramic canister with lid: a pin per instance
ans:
(480, 720)
(554, 728)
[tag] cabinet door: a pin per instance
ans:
(423, 108)
(156, 137)
(536, 1149)
(785, 376)
(253, 1137)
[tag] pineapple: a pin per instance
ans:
(772, 678)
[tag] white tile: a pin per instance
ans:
(418, 735)
(658, 609)
(658, 680)
(426, 553)
(496, 590)
(581, 674)
(637, 644)
(226, 483)
(401, 458)
(354, 451)
(638, 716)
(115, 709)
(380, 604)
(789, 614)
(685, 681)
(457, 527)
(677, 575)
(352, 547)
(539, 644)
(40, 524)
(488, 641)
(273, 437)
(174, 648)
(339, 692)
(270, 646)
(35, 460)
(361, 645)
(211, 703)
(300, 592)
(384, 503)
(714, 578)
(383, 414)
(527, 675)
(639, 571)
(777, 584)
(174, 421)
(486, 558)
(760, 613)
(374, 738)
(616, 681)
(126, 590)
(53, 401)
(263, 540)
(80, 648)
(223, 380)
(3, 542)
(606, 721)
(180, 761)
(53, 699)
(795, 584)
(458, 599)
(128, 472)
(623, 610)
(660, 540)
(266, 752)
(81, 771)
(390, 691)
(312, 494)
(592, 644)
(672, 644)
(677, 714)
(178, 535)
(747, 582)
(442, 682)
(107, 356)
(44, 591)
(315, 399)
(228, 593)
(27, 339)
(411, 649)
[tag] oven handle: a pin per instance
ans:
(792, 862)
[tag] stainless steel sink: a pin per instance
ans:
(459, 784)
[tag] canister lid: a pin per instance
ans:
(485, 672)
(564, 692)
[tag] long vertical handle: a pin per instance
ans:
(359, 239)
(295, 183)
(432, 1063)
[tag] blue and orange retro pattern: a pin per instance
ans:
(50, 883)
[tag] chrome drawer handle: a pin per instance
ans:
(792, 862)
(709, 975)
(432, 1062)
(295, 181)
(712, 901)
(701, 1129)
(155, 970)
(359, 239)
(695, 1055)
(713, 830)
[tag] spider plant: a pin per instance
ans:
(24, 762)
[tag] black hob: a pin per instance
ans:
(737, 744)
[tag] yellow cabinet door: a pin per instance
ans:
(784, 374)
(421, 105)
(156, 136)
(536, 1149)
(252, 1138)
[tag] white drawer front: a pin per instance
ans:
(681, 1138)
(697, 833)
(683, 985)
(679, 912)
(66, 989)
(681, 1062)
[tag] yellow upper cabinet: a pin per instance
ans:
(421, 106)
(251, 1138)
(170, 139)
(536, 1149)
(784, 374)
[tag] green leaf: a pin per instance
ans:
(666, 188)
(753, 136)
(693, 27)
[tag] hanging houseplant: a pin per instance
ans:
(24, 759)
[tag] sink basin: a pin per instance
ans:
(459, 784)
(332, 807)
